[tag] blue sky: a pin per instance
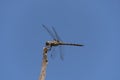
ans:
(94, 23)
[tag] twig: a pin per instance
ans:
(44, 64)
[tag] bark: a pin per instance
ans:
(44, 64)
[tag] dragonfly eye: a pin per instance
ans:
(47, 43)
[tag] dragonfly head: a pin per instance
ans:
(47, 43)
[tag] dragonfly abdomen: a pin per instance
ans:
(71, 44)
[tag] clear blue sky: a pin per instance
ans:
(94, 23)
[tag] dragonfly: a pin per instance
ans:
(56, 40)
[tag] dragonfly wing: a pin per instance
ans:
(56, 35)
(52, 53)
(61, 52)
(50, 32)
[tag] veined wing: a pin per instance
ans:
(56, 35)
(60, 47)
(50, 32)
(61, 52)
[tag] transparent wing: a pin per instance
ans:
(60, 47)
(52, 53)
(50, 32)
(61, 52)
(56, 35)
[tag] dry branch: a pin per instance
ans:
(44, 64)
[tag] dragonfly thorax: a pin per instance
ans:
(52, 43)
